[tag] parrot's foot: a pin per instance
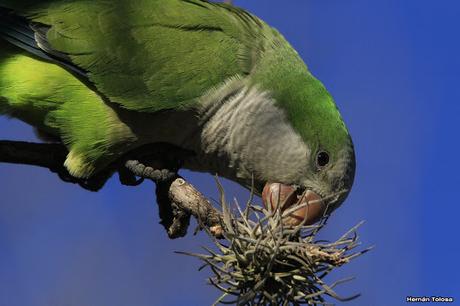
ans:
(147, 172)
(175, 219)
(177, 199)
(94, 183)
(128, 178)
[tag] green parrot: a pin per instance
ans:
(107, 77)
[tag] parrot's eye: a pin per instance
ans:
(322, 159)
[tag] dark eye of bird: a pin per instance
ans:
(322, 159)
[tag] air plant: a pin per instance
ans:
(263, 261)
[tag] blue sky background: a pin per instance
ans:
(393, 68)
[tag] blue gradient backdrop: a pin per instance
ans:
(393, 68)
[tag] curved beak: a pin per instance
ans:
(312, 206)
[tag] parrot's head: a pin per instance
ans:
(311, 159)
(322, 180)
(318, 172)
(278, 131)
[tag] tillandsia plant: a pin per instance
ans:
(263, 260)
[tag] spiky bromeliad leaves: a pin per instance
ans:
(265, 261)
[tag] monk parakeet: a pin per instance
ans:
(107, 77)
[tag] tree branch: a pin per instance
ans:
(50, 156)
(36, 154)
(192, 202)
(177, 199)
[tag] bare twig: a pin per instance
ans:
(50, 156)
(195, 203)
(177, 199)
(37, 154)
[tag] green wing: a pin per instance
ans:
(146, 55)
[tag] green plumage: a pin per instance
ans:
(150, 55)
(144, 55)
(108, 58)
(53, 100)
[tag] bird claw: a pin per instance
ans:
(127, 178)
(146, 172)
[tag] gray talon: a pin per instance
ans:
(157, 175)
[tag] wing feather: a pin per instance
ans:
(146, 55)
